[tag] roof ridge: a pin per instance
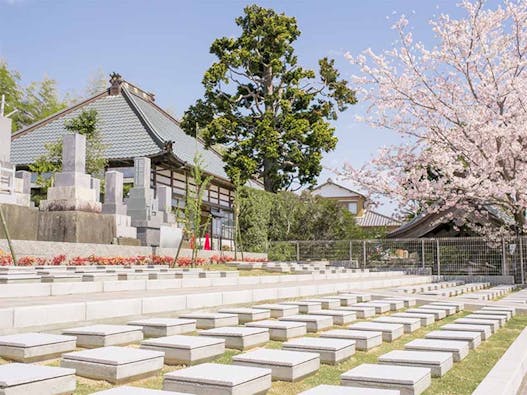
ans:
(384, 215)
(59, 114)
(330, 181)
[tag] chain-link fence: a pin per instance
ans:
(471, 256)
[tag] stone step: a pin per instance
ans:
(218, 379)
(408, 380)
(285, 365)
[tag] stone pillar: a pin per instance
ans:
(113, 204)
(23, 188)
(5, 139)
(73, 187)
(96, 185)
(7, 170)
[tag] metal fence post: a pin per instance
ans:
(298, 251)
(351, 252)
(422, 253)
(364, 254)
(520, 244)
(438, 258)
(503, 258)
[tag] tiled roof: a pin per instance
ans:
(373, 219)
(130, 126)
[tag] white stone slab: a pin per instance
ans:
(281, 330)
(361, 311)
(484, 330)
(361, 297)
(438, 314)
(438, 362)
(279, 310)
(410, 324)
(327, 303)
(305, 307)
(105, 335)
(347, 300)
(315, 323)
(506, 314)
(158, 327)
(407, 301)
(473, 338)
(127, 390)
(499, 318)
(285, 365)
(340, 317)
(512, 310)
(219, 379)
(492, 324)
(325, 389)
(394, 303)
(426, 319)
(390, 332)
(188, 350)
(459, 349)
(408, 380)
(364, 340)
(380, 308)
(449, 310)
(32, 347)
(239, 337)
(19, 379)
(211, 320)
(114, 364)
(247, 315)
(458, 305)
(330, 350)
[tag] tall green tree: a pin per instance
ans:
(11, 89)
(271, 115)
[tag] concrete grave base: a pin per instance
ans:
(247, 314)
(281, 330)
(408, 380)
(361, 312)
(364, 340)
(390, 332)
(484, 330)
(409, 324)
(438, 314)
(305, 307)
(158, 327)
(325, 389)
(340, 317)
(331, 351)
(219, 379)
(315, 323)
(239, 338)
(32, 347)
(438, 362)
(473, 338)
(492, 324)
(285, 365)
(105, 335)
(212, 320)
(22, 379)
(279, 310)
(458, 349)
(426, 319)
(114, 364)
(186, 350)
(126, 390)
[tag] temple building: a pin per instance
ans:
(133, 125)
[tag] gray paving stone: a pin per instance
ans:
(438, 314)
(408, 380)
(506, 314)
(211, 320)
(32, 347)
(105, 335)
(188, 350)
(325, 389)
(126, 390)
(390, 332)
(361, 311)
(380, 308)
(239, 337)
(315, 323)
(438, 362)
(281, 330)
(327, 303)
(285, 365)
(410, 324)
(279, 310)
(19, 379)
(492, 324)
(499, 318)
(247, 314)
(449, 310)
(158, 327)
(340, 317)
(459, 349)
(473, 338)
(426, 319)
(305, 307)
(330, 350)
(484, 330)
(114, 364)
(364, 340)
(219, 379)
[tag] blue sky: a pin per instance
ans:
(163, 46)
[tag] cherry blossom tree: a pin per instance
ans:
(461, 108)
